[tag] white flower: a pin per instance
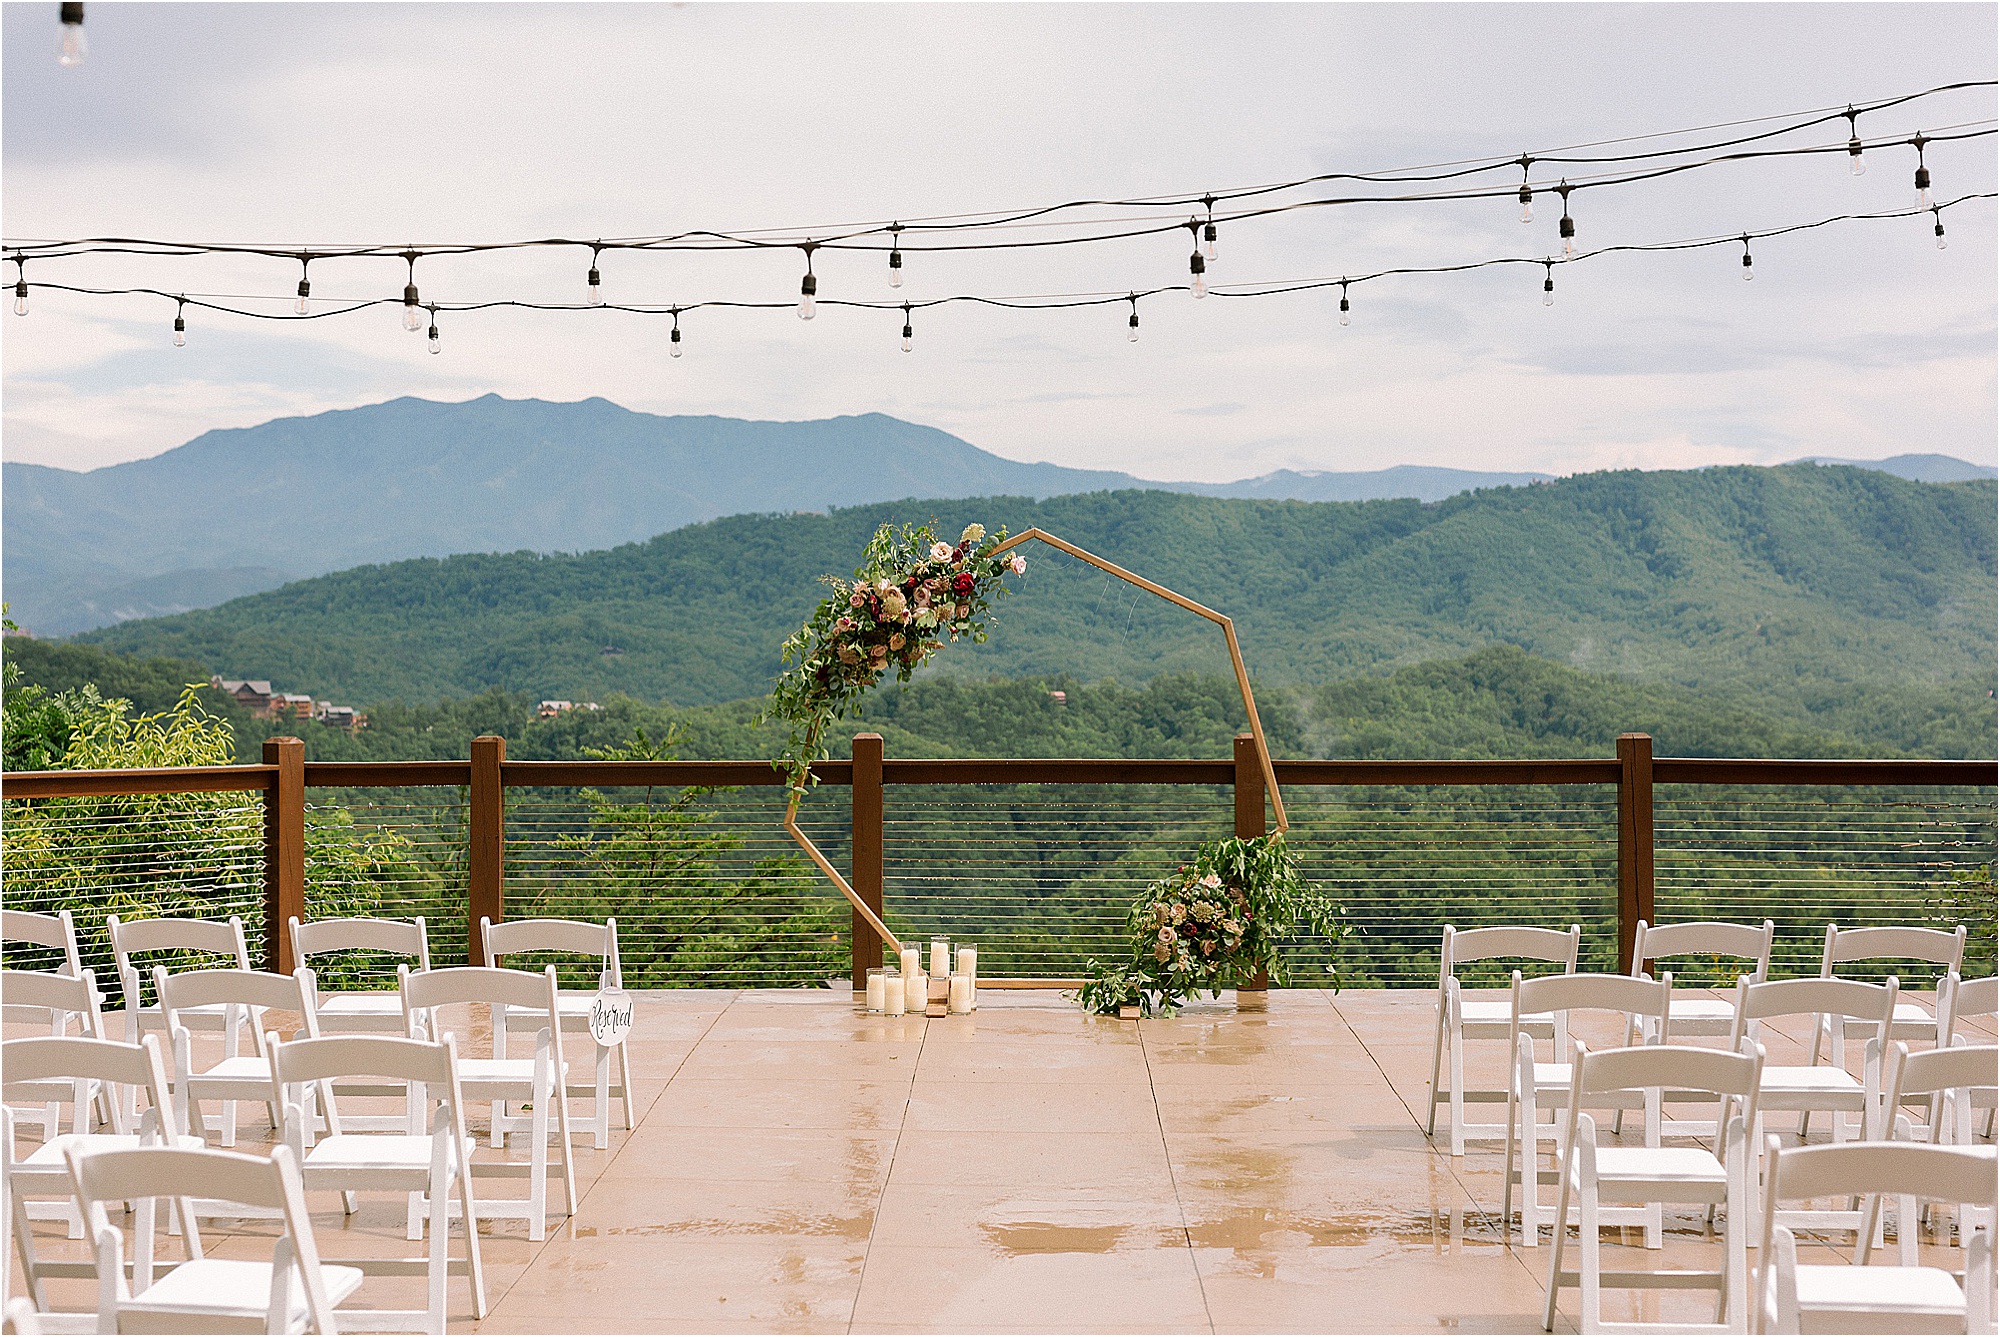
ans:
(940, 552)
(973, 533)
(1018, 563)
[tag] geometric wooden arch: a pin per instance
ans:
(1280, 821)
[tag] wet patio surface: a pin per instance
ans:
(799, 1166)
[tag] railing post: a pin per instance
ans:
(487, 857)
(1635, 840)
(1250, 822)
(865, 799)
(284, 849)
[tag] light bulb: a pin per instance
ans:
(674, 343)
(1923, 176)
(1940, 233)
(21, 298)
(413, 319)
(1749, 271)
(1345, 320)
(1548, 294)
(303, 306)
(180, 332)
(895, 269)
(1855, 166)
(1198, 272)
(437, 344)
(74, 47)
(596, 292)
(808, 290)
(1200, 285)
(1208, 237)
(1132, 329)
(1527, 205)
(909, 343)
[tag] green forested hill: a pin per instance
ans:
(1808, 594)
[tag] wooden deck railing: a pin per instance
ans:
(285, 776)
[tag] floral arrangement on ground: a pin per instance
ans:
(911, 593)
(1213, 924)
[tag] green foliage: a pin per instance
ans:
(656, 861)
(1213, 924)
(1787, 592)
(910, 593)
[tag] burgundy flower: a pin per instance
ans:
(962, 583)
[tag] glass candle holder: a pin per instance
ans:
(876, 977)
(960, 999)
(940, 957)
(892, 995)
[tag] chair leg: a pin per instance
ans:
(24, 1244)
(1437, 1070)
(1457, 1042)
(625, 1085)
(439, 1270)
(538, 1173)
(477, 1273)
(1589, 1263)
(1556, 1248)
(600, 1135)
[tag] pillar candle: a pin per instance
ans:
(968, 960)
(892, 995)
(940, 957)
(875, 978)
(961, 993)
(913, 961)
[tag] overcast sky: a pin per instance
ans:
(304, 123)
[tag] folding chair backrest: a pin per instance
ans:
(1520, 944)
(1967, 998)
(1747, 942)
(57, 930)
(252, 988)
(1635, 996)
(1939, 947)
(71, 1058)
(337, 1056)
(429, 989)
(1929, 1070)
(1719, 1072)
(1823, 996)
(1937, 1174)
(406, 938)
(75, 994)
(218, 937)
(574, 936)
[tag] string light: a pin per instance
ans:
(412, 316)
(1749, 272)
(1208, 229)
(1567, 228)
(180, 323)
(1938, 218)
(437, 344)
(1923, 174)
(1197, 267)
(1527, 191)
(1344, 321)
(895, 255)
(20, 286)
(808, 286)
(674, 339)
(74, 47)
(1548, 283)
(596, 292)
(909, 335)
(1132, 322)
(1855, 166)
(303, 306)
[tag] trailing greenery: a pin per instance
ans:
(1787, 591)
(1213, 924)
(911, 592)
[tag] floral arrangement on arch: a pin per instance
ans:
(1213, 924)
(912, 592)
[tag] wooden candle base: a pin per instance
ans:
(1253, 1000)
(939, 1002)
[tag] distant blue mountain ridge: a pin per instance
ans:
(241, 510)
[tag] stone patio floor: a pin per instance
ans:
(802, 1167)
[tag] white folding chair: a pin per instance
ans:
(363, 1011)
(1695, 1013)
(1794, 1297)
(1460, 1018)
(1946, 1080)
(1655, 1175)
(214, 937)
(234, 1077)
(429, 1162)
(56, 1000)
(1534, 1087)
(294, 1292)
(1815, 1087)
(127, 1071)
(1937, 947)
(536, 1081)
(577, 938)
(1961, 1001)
